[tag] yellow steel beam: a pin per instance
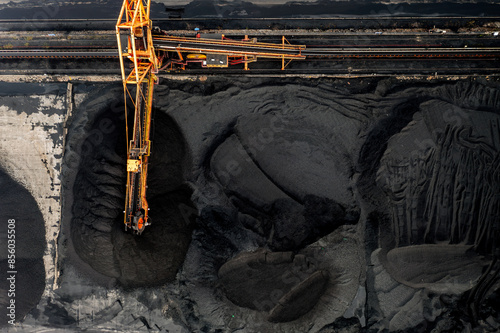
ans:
(207, 41)
(134, 22)
(244, 49)
(231, 53)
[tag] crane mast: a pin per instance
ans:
(135, 25)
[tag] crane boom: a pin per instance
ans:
(135, 23)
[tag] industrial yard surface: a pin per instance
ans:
(342, 194)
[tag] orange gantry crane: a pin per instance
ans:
(134, 21)
(177, 52)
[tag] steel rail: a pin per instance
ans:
(56, 54)
(266, 52)
(406, 53)
(230, 49)
(314, 51)
(344, 18)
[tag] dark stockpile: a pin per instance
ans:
(319, 201)
(22, 278)
(97, 225)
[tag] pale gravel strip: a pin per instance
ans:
(29, 157)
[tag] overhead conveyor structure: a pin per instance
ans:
(224, 52)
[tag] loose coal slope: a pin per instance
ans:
(441, 199)
(19, 207)
(97, 231)
(432, 169)
(348, 174)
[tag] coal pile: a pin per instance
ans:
(97, 231)
(254, 281)
(23, 282)
(383, 177)
(287, 205)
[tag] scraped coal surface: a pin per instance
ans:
(444, 269)
(28, 269)
(441, 172)
(257, 281)
(97, 230)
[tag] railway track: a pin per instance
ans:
(188, 19)
(311, 53)
(403, 52)
(329, 67)
(319, 58)
(112, 21)
(380, 20)
(57, 54)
